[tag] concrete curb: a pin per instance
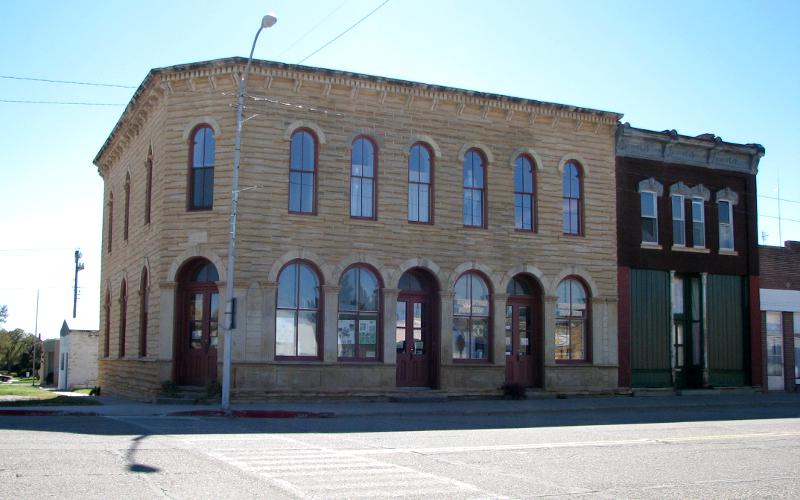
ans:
(251, 414)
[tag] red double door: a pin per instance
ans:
(414, 341)
(198, 336)
(523, 343)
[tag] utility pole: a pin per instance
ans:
(78, 267)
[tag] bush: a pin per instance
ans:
(95, 391)
(513, 391)
(213, 389)
(169, 388)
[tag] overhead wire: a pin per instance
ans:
(287, 49)
(376, 9)
(68, 82)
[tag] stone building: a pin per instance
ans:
(390, 234)
(77, 358)
(780, 314)
(688, 260)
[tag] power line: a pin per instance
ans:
(345, 31)
(779, 218)
(312, 29)
(69, 82)
(777, 198)
(64, 102)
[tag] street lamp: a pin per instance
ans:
(266, 22)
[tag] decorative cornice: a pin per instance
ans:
(163, 78)
(706, 150)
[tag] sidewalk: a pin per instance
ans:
(112, 406)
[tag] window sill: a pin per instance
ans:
(573, 362)
(728, 252)
(681, 248)
(481, 362)
(651, 246)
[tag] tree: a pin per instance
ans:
(3, 313)
(14, 346)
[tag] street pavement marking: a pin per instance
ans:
(309, 473)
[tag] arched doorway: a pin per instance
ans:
(198, 324)
(416, 328)
(523, 330)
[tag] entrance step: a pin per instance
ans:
(417, 395)
(187, 395)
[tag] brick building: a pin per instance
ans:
(688, 260)
(780, 314)
(390, 234)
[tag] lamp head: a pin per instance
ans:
(269, 20)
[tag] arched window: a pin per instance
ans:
(110, 220)
(420, 184)
(201, 183)
(127, 218)
(148, 192)
(572, 336)
(471, 321)
(359, 314)
(524, 194)
(144, 296)
(123, 317)
(573, 198)
(474, 189)
(303, 172)
(363, 178)
(107, 325)
(298, 313)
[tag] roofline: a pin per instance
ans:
(265, 64)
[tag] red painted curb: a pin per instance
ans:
(251, 414)
(48, 413)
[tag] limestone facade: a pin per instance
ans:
(155, 132)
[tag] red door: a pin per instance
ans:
(523, 348)
(197, 344)
(414, 346)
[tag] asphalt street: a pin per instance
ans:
(723, 452)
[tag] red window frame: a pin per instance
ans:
(148, 193)
(522, 193)
(144, 309)
(373, 202)
(193, 169)
(301, 171)
(123, 317)
(107, 333)
(110, 220)
(469, 157)
(127, 218)
(297, 309)
(569, 196)
(418, 184)
(586, 321)
(489, 317)
(358, 313)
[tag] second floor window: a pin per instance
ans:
(420, 184)
(572, 198)
(362, 179)
(474, 189)
(127, 214)
(201, 183)
(523, 194)
(678, 221)
(148, 189)
(725, 225)
(649, 209)
(698, 223)
(302, 172)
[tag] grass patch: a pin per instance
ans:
(83, 391)
(33, 396)
(54, 401)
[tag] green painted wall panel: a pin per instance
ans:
(650, 328)
(727, 346)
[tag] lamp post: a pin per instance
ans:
(268, 21)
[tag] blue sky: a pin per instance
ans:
(727, 67)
